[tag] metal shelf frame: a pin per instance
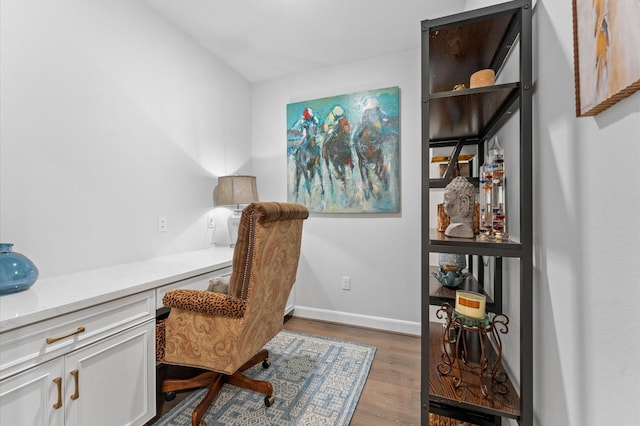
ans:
(513, 20)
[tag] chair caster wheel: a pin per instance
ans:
(266, 363)
(269, 400)
(169, 396)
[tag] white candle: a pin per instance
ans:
(470, 304)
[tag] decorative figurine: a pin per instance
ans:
(450, 279)
(452, 271)
(459, 204)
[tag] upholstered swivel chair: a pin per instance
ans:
(225, 334)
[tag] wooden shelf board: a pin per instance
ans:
(466, 113)
(439, 293)
(468, 396)
(440, 243)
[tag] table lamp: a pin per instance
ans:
(234, 191)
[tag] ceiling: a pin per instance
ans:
(265, 39)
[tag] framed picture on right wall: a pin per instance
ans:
(606, 42)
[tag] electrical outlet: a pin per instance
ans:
(346, 283)
(162, 224)
(211, 221)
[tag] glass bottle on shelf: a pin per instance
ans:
(484, 199)
(498, 206)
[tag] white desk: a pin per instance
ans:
(74, 347)
(52, 297)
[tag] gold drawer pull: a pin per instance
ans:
(51, 340)
(58, 382)
(76, 394)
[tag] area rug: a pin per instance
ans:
(316, 381)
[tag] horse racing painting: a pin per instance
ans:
(343, 153)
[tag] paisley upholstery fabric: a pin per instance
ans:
(220, 332)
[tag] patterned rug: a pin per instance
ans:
(316, 381)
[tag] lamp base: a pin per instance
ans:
(234, 224)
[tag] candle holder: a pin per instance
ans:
(456, 350)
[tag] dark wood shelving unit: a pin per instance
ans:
(453, 48)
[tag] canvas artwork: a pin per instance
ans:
(606, 46)
(343, 153)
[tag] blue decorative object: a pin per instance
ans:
(17, 272)
(452, 270)
(452, 262)
(450, 279)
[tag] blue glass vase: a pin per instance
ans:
(17, 272)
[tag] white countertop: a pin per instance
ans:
(56, 296)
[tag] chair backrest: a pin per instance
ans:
(265, 263)
(264, 269)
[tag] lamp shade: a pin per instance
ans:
(235, 190)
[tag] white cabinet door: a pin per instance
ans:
(34, 397)
(112, 382)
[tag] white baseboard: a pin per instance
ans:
(380, 323)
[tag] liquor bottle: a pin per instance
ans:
(498, 206)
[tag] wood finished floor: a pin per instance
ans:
(391, 395)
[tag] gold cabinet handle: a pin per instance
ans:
(76, 394)
(51, 340)
(58, 382)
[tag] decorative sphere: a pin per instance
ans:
(451, 273)
(452, 262)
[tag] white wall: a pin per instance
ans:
(111, 117)
(381, 253)
(587, 242)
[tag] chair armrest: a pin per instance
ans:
(205, 302)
